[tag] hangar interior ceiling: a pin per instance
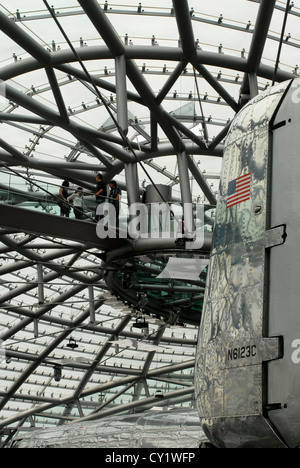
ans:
(144, 93)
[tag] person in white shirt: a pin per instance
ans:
(78, 203)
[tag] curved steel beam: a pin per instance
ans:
(143, 88)
(103, 26)
(216, 85)
(185, 28)
(141, 246)
(10, 28)
(62, 57)
(55, 118)
(260, 34)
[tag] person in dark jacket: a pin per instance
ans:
(115, 198)
(101, 193)
(63, 204)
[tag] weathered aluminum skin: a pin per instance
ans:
(233, 349)
(284, 374)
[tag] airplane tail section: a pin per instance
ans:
(235, 346)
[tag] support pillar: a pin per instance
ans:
(186, 194)
(92, 304)
(132, 183)
(121, 89)
(253, 85)
(40, 281)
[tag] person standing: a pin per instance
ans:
(78, 203)
(115, 198)
(63, 204)
(101, 193)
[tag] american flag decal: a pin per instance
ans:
(239, 190)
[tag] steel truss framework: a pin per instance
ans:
(53, 286)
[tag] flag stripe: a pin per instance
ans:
(239, 190)
(244, 176)
(239, 201)
(243, 183)
(236, 195)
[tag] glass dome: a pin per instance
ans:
(143, 93)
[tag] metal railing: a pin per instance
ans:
(159, 220)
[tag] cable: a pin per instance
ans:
(281, 40)
(205, 132)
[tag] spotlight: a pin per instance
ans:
(141, 324)
(159, 395)
(72, 344)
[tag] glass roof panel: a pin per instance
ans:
(68, 324)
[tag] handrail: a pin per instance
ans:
(47, 197)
